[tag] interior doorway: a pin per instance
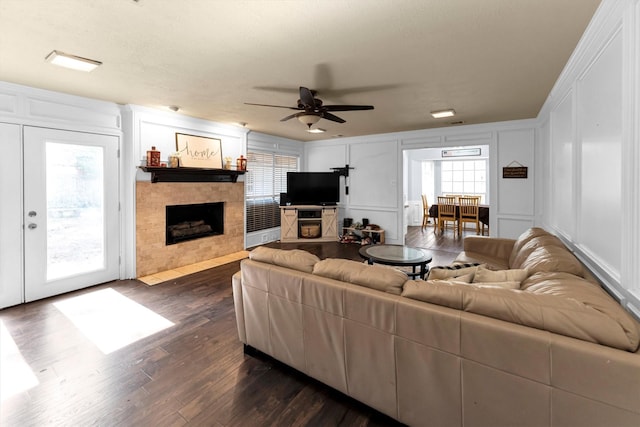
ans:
(443, 170)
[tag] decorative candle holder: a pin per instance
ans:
(227, 163)
(153, 157)
(241, 163)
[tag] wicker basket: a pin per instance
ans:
(310, 231)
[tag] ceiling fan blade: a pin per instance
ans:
(347, 107)
(279, 89)
(290, 117)
(306, 98)
(332, 117)
(338, 93)
(276, 106)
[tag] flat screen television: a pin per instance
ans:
(313, 188)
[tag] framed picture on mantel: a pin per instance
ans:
(199, 151)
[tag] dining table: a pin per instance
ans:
(483, 213)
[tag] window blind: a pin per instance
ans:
(265, 179)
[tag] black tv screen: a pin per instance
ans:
(313, 188)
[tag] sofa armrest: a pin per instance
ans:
(236, 283)
(496, 247)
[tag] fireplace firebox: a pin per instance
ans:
(189, 222)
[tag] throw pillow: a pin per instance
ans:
(467, 278)
(455, 270)
(484, 275)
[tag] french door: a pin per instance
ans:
(71, 215)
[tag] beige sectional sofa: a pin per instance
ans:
(556, 350)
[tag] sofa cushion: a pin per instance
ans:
(532, 245)
(558, 283)
(524, 239)
(296, 259)
(513, 275)
(575, 310)
(552, 259)
(372, 276)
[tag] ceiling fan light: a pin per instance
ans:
(309, 119)
(443, 113)
(71, 61)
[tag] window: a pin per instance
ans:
(265, 179)
(467, 177)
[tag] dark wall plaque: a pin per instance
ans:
(514, 172)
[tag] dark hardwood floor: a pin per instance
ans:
(194, 373)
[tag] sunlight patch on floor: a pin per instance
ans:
(15, 374)
(110, 320)
(164, 276)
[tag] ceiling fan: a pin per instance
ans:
(311, 109)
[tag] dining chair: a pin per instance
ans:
(447, 212)
(425, 212)
(455, 196)
(468, 212)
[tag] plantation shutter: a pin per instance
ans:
(265, 179)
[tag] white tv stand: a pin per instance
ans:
(294, 216)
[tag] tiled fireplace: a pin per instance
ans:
(152, 252)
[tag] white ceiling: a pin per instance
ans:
(490, 60)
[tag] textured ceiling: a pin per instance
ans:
(490, 60)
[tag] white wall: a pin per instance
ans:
(515, 196)
(589, 132)
(377, 191)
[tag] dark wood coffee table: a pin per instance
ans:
(399, 256)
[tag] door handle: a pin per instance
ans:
(32, 226)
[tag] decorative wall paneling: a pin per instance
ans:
(36, 107)
(590, 128)
(377, 190)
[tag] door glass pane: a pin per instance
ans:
(75, 209)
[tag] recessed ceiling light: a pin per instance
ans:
(72, 61)
(316, 130)
(443, 113)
